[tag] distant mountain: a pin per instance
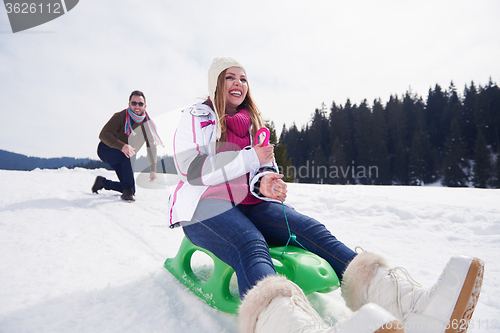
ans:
(13, 161)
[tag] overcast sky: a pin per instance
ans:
(61, 81)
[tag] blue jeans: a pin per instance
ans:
(122, 166)
(241, 235)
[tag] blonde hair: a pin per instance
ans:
(248, 105)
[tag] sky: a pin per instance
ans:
(61, 81)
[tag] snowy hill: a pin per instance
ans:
(73, 261)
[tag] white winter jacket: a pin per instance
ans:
(198, 166)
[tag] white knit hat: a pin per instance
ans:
(217, 67)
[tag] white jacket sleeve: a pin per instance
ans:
(195, 157)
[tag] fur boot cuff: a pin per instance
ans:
(260, 296)
(358, 276)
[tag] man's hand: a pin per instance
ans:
(152, 176)
(273, 187)
(128, 150)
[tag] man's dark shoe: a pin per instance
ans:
(98, 184)
(128, 195)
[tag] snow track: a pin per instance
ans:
(75, 261)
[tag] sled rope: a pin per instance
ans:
(266, 136)
(291, 235)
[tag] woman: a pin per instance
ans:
(229, 201)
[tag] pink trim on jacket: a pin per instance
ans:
(175, 199)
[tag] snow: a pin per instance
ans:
(75, 261)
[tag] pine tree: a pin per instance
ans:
(305, 152)
(273, 138)
(454, 162)
(284, 162)
(413, 107)
(482, 166)
(379, 139)
(453, 107)
(319, 129)
(341, 127)
(298, 149)
(280, 153)
(496, 173)
(290, 138)
(421, 160)
(495, 117)
(397, 147)
(488, 114)
(467, 120)
(362, 129)
(339, 171)
(319, 168)
(434, 110)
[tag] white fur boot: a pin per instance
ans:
(445, 307)
(277, 305)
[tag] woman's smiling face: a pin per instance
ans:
(236, 87)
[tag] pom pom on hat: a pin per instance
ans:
(217, 67)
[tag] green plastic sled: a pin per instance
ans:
(309, 271)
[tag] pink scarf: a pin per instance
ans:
(138, 119)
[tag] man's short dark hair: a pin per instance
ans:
(137, 93)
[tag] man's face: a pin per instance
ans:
(140, 105)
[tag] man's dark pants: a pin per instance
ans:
(122, 166)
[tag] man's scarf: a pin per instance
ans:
(152, 127)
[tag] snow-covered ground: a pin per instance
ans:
(73, 261)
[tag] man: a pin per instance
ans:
(120, 142)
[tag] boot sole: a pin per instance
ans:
(467, 300)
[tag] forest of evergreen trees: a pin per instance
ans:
(449, 138)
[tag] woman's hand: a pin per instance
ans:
(273, 187)
(265, 153)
